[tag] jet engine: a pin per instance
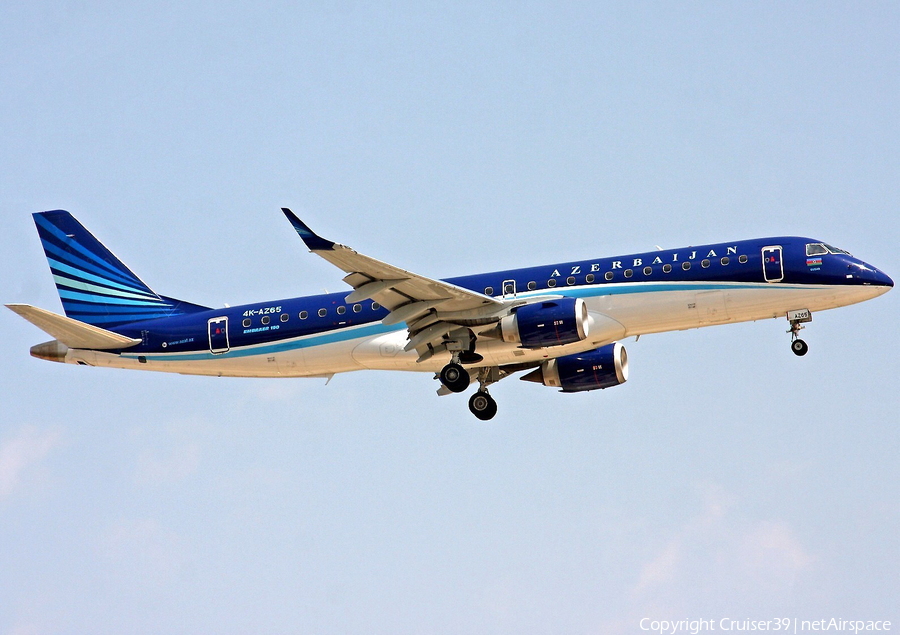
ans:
(549, 323)
(591, 370)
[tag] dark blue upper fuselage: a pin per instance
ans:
(741, 261)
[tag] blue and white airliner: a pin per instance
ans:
(560, 324)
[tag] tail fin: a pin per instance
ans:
(94, 286)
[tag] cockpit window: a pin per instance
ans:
(815, 249)
(835, 250)
(820, 249)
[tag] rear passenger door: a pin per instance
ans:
(218, 335)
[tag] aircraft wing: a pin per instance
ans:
(417, 300)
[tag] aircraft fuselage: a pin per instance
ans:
(636, 294)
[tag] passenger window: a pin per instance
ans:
(589, 278)
(357, 308)
(551, 282)
(570, 280)
(704, 264)
(628, 273)
(303, 315)
(743, 260)
(246, 323)
(341, 310)
(532, 286)
(323, 312)
(284, 317)
(648, 271)
(265, 319)
(489, 291)
(725, 260)
(667, 268)
(608, 275)
(375, 306)
(685, 265)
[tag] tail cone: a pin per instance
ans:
(54, 351)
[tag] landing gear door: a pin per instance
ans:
(773, 269)
(218, 335)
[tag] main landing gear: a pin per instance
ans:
(453, 375)
(457, 379)
(796, 319)
(483, 405)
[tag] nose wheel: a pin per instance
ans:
(482, 405)
(796, 319)
(799, 347)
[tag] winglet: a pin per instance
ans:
(313, 241)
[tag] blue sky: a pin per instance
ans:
(727, 478)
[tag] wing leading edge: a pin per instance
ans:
(432, 309)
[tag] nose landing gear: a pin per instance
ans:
(799, 347)
(796, 319)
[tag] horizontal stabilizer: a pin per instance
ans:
(73, 333)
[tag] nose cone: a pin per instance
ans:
(859, 272)
(875, 276)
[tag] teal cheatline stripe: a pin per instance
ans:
(651, 287)
(63, 281)
(639, 287)
(105, 299)
(72, 271)
(65, 240)
(50, 248)
(332, 337)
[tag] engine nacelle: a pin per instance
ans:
(591, 370)
(549, 323)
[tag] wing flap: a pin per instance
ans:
(73, 333)
(384, 278)
(370, 289)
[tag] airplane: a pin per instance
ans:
(560, 324)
